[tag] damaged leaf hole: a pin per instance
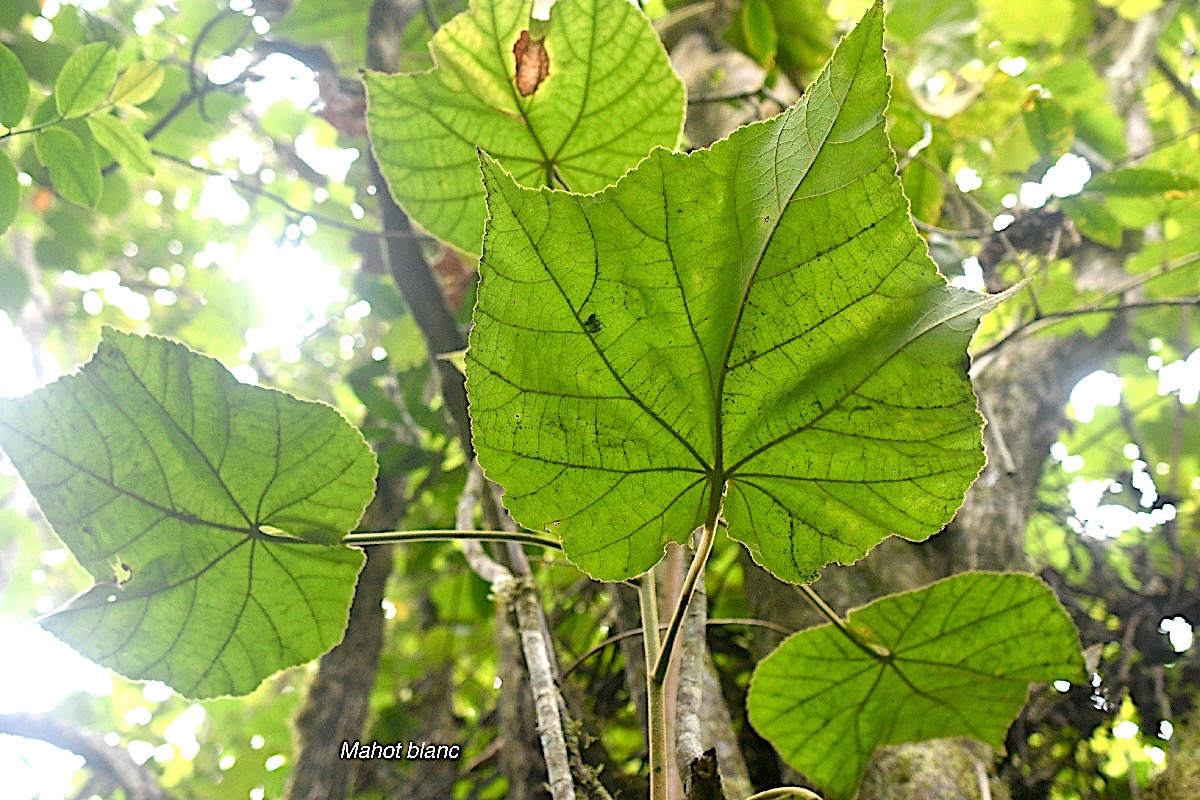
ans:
(532, 63)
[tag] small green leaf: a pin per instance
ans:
(606, 98)
(1093, 220)
(758, 322)
(1141, 182)
(139, 83)
(14, 88)
(758, 31)
(10, 192)
(962, 654)
(86, 79)
(1048, 125)
(207, 511)
(128, 147)
(73, 168)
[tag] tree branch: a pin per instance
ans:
(338, 700)
(138, 782)
(521, 597)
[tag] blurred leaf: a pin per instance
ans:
(116, 195)
(128, 147)
(10, 192)
(207, 511)
(960, 656)
(1141, 182)
(462, 598)
(340, 25)
(11, 11)
(1093, 220)
(1053, 21)
(1133, 9)
(757, 25)
(1048, 124)
(935, 35)
(86, 79)
(139, 83)
(14, 285)
(74, 170)
(14, 88)
(795, 35)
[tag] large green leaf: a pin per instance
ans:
(960, 657)
(207, 511)
(759, 321)
(608, 96)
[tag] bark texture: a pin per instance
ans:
(339, 697)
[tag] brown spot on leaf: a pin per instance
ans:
(533, 63)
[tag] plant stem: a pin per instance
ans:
(656, 710)
(401, 537)
(870, 648)
(785, 791)
(685, 597)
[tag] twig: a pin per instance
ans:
(784, 792)
(138, 783)
(258, 191)
(685, 596)
(689, 746)
(985, 786)
(691, 687)
(1006, 459)
(520, 595)
(1054, 317)
(947, 233)
(634, 632)
(430, 18)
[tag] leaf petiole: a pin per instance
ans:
(401, 537)
(656, 713)
(870, 648)
(685, 596)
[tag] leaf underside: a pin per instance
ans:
(207, 511)
(759, 322)
(964, 652)
(608, 96)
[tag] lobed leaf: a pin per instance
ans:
(758, 322)
(599, 94)
(207, 511)
(961, 656)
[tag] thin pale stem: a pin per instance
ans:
(870, 648)
(685, 597)
(785, 791)
(656, 710)
(401, 537)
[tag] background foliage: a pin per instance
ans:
(200, 170)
